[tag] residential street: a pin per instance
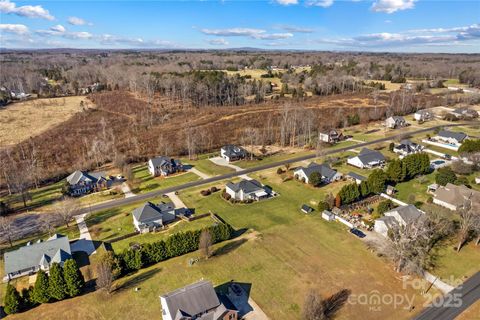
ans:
(445, 308)
(140, 197)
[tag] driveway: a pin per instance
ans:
(224, 163)
(178, 203)
(247, 308)
(126, 190)
(199, 173)
(84, 242)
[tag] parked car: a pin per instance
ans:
(358, 233)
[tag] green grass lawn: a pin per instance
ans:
(416, 187)
(208, 167)
(144, 182)
(39, 197)
(292, 254)
(271, 159)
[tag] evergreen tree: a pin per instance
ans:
(40, 290)
(315, 179)
(56, 283)
(73, 278)
(376, 181)
(445, 175)
(12, 300)
(395, 171)
(27, 298)
(364, 189)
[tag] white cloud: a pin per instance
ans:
(58, 28)
(391, 6)
(8, 7)
(78, 35)
(294, 29)
(272, 36)
(76, 21)
(218, 42)
(14, 28)
(112, 40)
(286, 2)
(233, 32)
(319, 3)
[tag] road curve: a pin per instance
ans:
(156, 193)
(445, 308)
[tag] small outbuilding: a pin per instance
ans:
(328, 215)
(306, 209)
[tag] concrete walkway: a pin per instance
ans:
(199, 173)
(84, 242)
(437, 283)
(126, 190)
(386, 196)
(222, 162)
(176, 200)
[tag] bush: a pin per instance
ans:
(213, 189)
(391, 146)
(469, 146)
(385, 206)
(445, 175)
(205, 193)
(429, 200)
(279, 171)
(323, 205)
(12, 300)
(226, 196)
(315, 179)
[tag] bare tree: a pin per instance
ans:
(469, 222)
(6, 228)
(66, 209)
(205, 243)
(317, 308)
(104, 276)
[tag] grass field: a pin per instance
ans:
(208, 167)
(16, 119)
(38, 197)
(144, 182)
(293, 253)
(270, 159)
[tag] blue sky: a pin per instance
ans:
(364, 25)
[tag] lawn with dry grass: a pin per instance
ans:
(22, 120)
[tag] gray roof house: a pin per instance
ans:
(423, 115)
(356, 177)
(163, 166)
(367, 159)
(465, 113)
(453, 197)
(31, 258)
(328, 174)
(150, 216)
(395, 122)
(407, 147)
(231, 152)
(82, 182)
(451, 136)
(400, 216)
(331, 136)
(197, 301)
(247, 190)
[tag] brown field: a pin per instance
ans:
(20, 121)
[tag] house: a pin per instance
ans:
(18, 95)
(451, 137)
(367, 159)
(465, 113)
(247, 190)
(232, 153)
(395, 122)
(328, 174)
(82, 182)
(423, 115)
(453, 197)
(400, 216)
(31, 258)
(356, 177)
(328, 215)
(332, 136)
(197, 301)
(164, 166)
(149, 216)
(407, 147)
(306, 209)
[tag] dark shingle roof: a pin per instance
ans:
(366, 155)
(78, 176)
(149, 211)
(323, 169)
(161, 160)
(234, 151)
(193, 299)
(357, 176)
(459, 136)
(247, 186)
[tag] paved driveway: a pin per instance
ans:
(84, 243)
(176, 200)
(222, 162)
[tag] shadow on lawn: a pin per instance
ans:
(229, 247)
(138, 279)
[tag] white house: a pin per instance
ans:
(149, 216)
(163, 166)
(197, 301)
(423, 115)
(395, 122)
(399, 216)
(367, 159)
(451, 137)
(332, 136)
(232, 153)
(328, 174)
(407, 147)
(247, 190)
(453, 197)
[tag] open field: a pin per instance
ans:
(145, 182)
(206, 166)
(16, 119)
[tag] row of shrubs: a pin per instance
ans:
(178, 244)
(208, 192)
(228, 197)
(62, 283)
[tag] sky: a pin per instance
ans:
(347, 25)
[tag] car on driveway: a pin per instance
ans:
(358, 233)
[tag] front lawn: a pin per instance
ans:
(145, 182)
(208, 167)
(38, 197)
(271, 159)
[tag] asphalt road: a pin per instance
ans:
(156, 193)
(447, 308)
